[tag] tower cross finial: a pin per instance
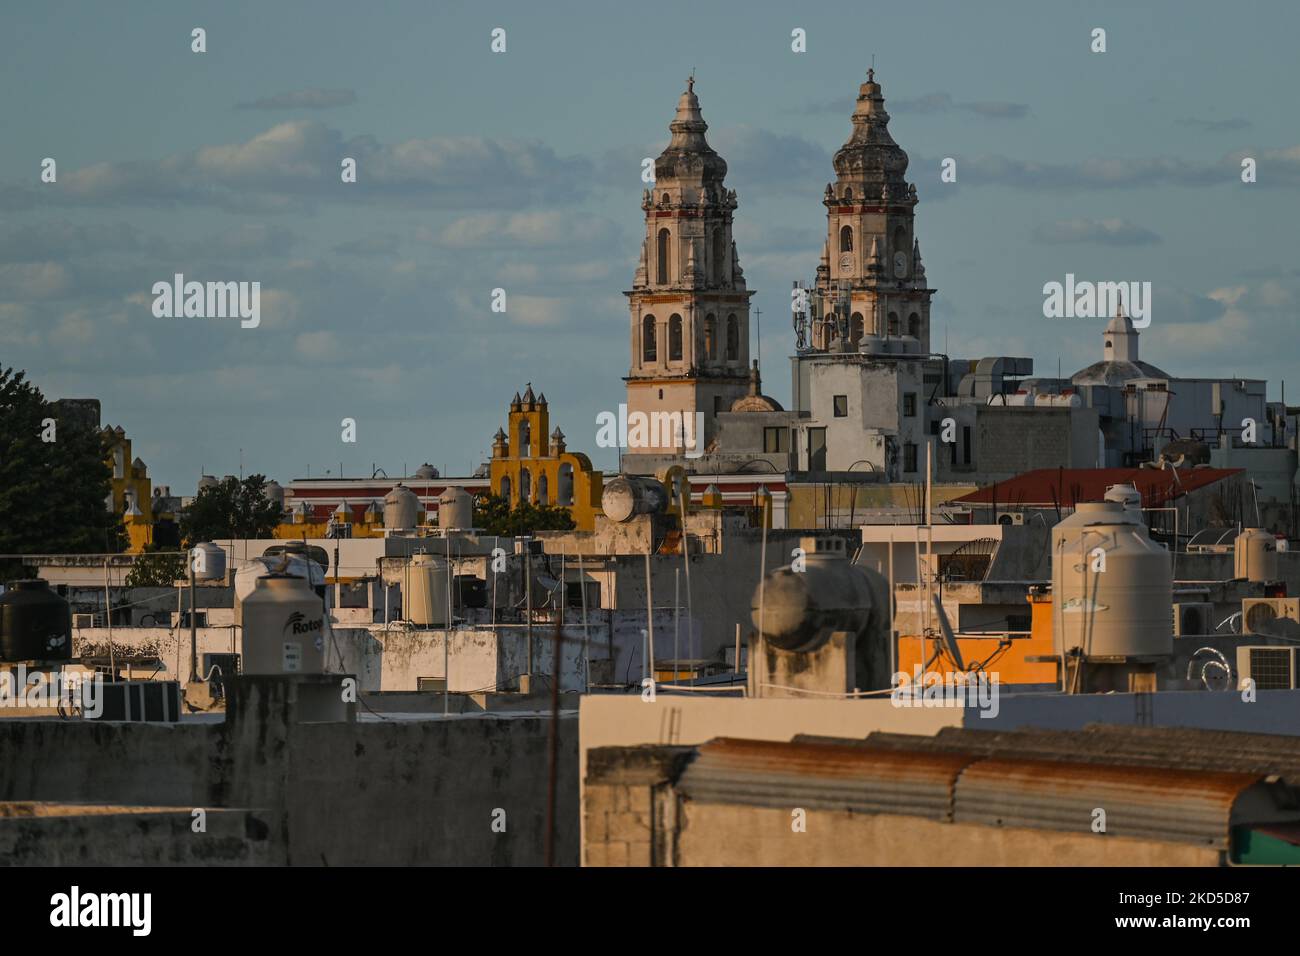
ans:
(690, 81)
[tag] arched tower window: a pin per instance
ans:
(525, 443)
(719, 253)
(846, 239)
(661, 256)
(857, 328)
(914, 325)
(900, 241)
(848, 194)
(525, 485)
(675, 339)
(893, 323)
(710, 337)
(505, 488)
(733, 339)
(648, 351)
(564, 493)
(543, 490)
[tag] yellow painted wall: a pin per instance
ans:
(588, 484)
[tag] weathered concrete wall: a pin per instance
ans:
(728, 835)
(42, 834)
(383, 792)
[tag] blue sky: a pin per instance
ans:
(521, 170)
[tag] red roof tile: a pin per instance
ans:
(1064, 487)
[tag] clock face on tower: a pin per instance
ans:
(900, 264)
(846, 262)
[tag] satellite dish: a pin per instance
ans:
(949, 639)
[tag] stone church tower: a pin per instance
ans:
(870, 280)
(689, 305)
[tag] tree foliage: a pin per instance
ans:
(493, 515)
(153, 570)
(230, 509)
(52, 493)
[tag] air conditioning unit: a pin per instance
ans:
(1011, 517)
(1271, 668)
(86, 620)
(1272, 617)
(1193, 618)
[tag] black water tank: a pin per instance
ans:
(35, 623)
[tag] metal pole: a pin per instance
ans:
(528, 606)
(108, 618)
(446, 637)
(194, 634)
(686, 561)
(554, 757)
(677, 620)
(586, 638)
(762, 580)
(648, 656)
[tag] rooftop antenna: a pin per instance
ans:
(758, 319)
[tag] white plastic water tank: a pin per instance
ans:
(455, 509)
(1254, 556)
(1112, 586)
(284, 629)
(424, 591)
(401, 509)
(209, 561)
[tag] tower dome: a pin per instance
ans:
(870, 159)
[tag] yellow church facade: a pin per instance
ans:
(530, 465)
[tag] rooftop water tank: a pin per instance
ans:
(282, 562)
(1112, 586)
(208, 561)
(207, 481)
(455, 509)
(625, 496)
(401, 509)
(274, 493)
(35, 623)
(802, 608)
(284, 628)
(1254, 556)
(1127, 495)
(424, 591)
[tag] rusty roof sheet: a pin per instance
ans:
(824, 777)
(1172, 748)
(1143, 802)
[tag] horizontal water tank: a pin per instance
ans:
(626, 496)
(284, 630)
(401, 509)
(801, 609)
(1254, 556)
(1112, 586)
(424, 591)
(455, 509)
(35, 623)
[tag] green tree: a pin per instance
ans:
(54, 479)
(153, 570)
(230, 509)
(493, 515)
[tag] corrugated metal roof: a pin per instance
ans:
(1142, 802)
(1174, 748)
(787, 775)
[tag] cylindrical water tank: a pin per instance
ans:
(35, 623)
(1112, 586)
(625, 496)
(801, 609)
(209, 561)
(424, 591)
(1127, 495)
(207, 481)
(274, 493)
(283, 562)
(284, 627)
(401, 509)
(1254, 556)
(455, 509)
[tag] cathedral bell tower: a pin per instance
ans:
(870, 281)
(689, 304)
